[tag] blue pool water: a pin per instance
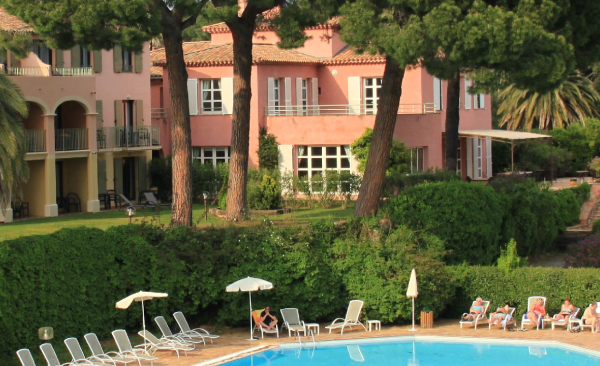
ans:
(419, 353)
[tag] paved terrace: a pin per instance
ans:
(235, 340)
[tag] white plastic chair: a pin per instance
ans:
(508, 319)
(154, 344)
(291, 321)
(96, 348)
(127, 351)
(258, 326)
(180, 337)
(478, 318)
(78, 356)
(566, 322)
(530, 303)
(352, 317)
(186, 330)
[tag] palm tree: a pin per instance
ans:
(574, 100)
(13, 143)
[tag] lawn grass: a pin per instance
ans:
(105, 219)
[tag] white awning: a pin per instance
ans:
(503, 134)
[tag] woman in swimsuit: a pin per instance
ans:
(590, 317)
(538, 311)
(498, 316)
(566, 310)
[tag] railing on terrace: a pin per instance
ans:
(119, 137)
(69, 139)
(46, 71)
(344, 109)
(158, 113)
(36, 141)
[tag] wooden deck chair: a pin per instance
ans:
(259, 327)
(352, 317)
(184, 328)
(291, 321)
(476, 319)
(180, 337)
(127, 351)
(154, 344)
(566, 322)
(78, 356)
(96, 348)
(530, 303)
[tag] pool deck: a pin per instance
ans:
(235, 340)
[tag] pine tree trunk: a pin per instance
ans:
(452, 122)
(242, 31)
(381, 143)
(181, 215)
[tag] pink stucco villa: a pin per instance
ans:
(316, 100)
(88, 127)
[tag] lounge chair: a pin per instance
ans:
(52, 358)
(291, 321)
(577, 321)
(508, 319)
(180, 337)
(154, 344)
(152, 201)
(127, 351)
(128, 203)
(479, 318)
(352, 317)
(96, 348)
(78, 356)
(530, 303)
(355, 353)
(258, 326)
(194, 333)
(565, 322)
(25, 357)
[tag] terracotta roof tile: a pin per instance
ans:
(348, 56)
(221, 55)
(12, 24)
(266, 25)
(156, 71)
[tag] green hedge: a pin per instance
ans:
(466, 216)
(581, 285)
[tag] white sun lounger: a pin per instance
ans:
(566, 322)
(25, 357)
(96, 348)
(154, 344)
(52, 358)
(291, 321)
(78, 356)
(479, 318)
(180, 337)
(508, 319)
(127, 351)
(352, 317)
(186, 330)
(530, 303)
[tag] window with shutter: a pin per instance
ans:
(371, 93)
(192, 86)
(354, 95)
(438, 98)
(468, 96)
(288, 96)
(227, 95)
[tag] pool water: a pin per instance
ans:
(422, 353)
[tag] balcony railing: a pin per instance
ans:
(46, 71)
(36, 141)
(344, 109)
(124, 137)
(158, 113)
(69, 139)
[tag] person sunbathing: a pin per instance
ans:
(268, 320)
(475, 310)
(538, 311)
(499, 315)
(565, 310)
(590, 317)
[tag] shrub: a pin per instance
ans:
(585, 253)
(208, 178)
(581, 139)
(399, 161)
(395, 181)
(265, 195)
(509, 259)
(161, 174)
(268, 153)
(467, 217)
(376, 268)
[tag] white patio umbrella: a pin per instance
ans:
(249, 284)
(141, 297)
(412, 292)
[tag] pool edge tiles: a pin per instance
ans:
(235, 356)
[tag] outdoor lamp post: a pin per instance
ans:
(130, 213)
(205, 195)
(45, 333)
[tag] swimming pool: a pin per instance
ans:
(423, 351)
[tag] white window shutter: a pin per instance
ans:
(470, 158)
(315, 94)
(285, 159)
(227, 95)
(271, 91)
(481, 101)
(488, 154)
(192, 87)
(354, 95)
(467, 94)
(437, 102)
(288, 96)
(299, 95)
(476, 159)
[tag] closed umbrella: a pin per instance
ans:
(412, 292)
(141, 297)
(249, 284)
